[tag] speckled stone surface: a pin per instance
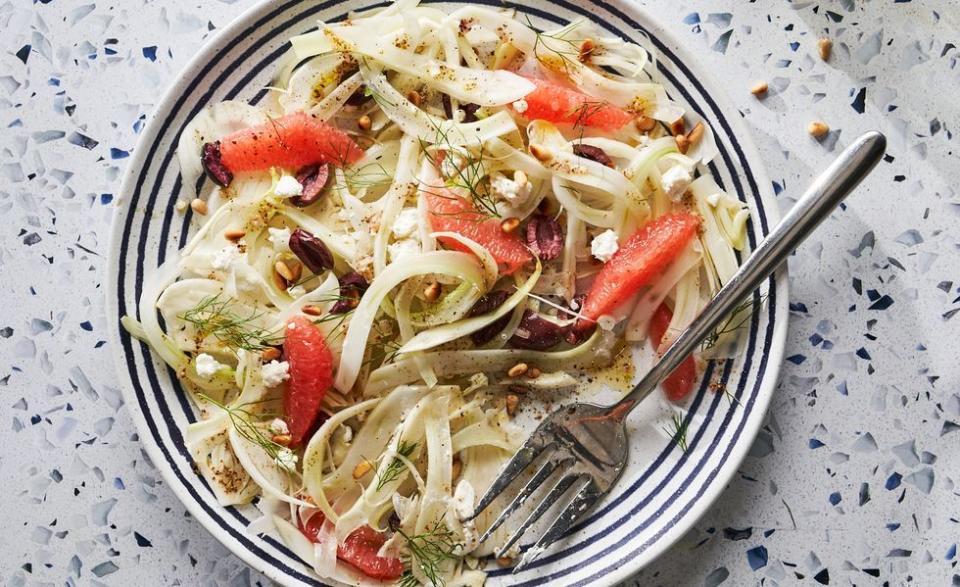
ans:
(852, 481)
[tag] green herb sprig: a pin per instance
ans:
(428, 551)
(215, 316)
(396, 466)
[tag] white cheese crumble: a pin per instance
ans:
(286, 459)
(287, 187)
(207, 366)
(407, 223)
(225, 256)
(516, 191)
(604, 245)
(675, 181)
(279, 238)
(452, 163)
(407, 247)
(463, 501)
(279, 426)
(520, 106)
(297, 291)
(274, 373)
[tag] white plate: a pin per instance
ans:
(662, 492)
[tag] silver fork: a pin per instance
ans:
(588, 443)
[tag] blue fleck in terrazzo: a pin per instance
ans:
(853, 479)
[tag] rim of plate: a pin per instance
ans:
(621, 560)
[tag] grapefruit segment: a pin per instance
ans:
(359, 549)
(638, 262)
(562, 105)
(679, 383)
(311, 375)
(452, 213)
(292, 141)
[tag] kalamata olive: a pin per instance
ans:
(593, 153)
(544, 237)
(537, 333)
(581, 331)
(313, 179)
(469, 112)
(447, 106)
(352, 286)
(576, 304)
(485, 305)
(213, 164)
(311, 251)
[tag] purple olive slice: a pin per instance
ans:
(213, 164)
(311, 251)
(312, 179)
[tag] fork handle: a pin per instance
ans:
(828, 190)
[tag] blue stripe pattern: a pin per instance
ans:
(619, 549)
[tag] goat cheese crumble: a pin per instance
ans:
(604, 245)
(407, 247)
(225, 256)
(207, 366)
(287, 187)
(516, 190)
(274, 373)
(520, 106)
(286, 459)
(675, 181)
(279, 238)
(406, 223)
(279, 426)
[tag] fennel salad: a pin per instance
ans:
(433, 216)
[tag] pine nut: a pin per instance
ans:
(234, 235)
(520, 178)
(694, 136)
(362, 468)
(818, 129)
(505, 561)
(533, 373)
(364, 122)
(586, 49)
(683, 143)
(645, 123)
(283, 270)
(282, 439)
(759, 89)
(825, 47)
(540, 152)
(517, 370)
(509, 224)
(432, 292)
(512, 401)
(414, 97)
(678, 127)
(269, 354)
(199, 206)
(295, 267)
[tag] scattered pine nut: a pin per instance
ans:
(586, 50)
(512, 401)
(279, 280)
(282, 439)
(311, 310)
(432, 292)
(683, 143)
(283, 270)
(533, 373)
(540, 152)
(414, 97)
(505, 561)
(362, 468)
(694, 136)
(269, 354)
(509, 224)
(364, 122)
(645, 123)
(199, 206)
(818, 129)
(517, 370)
(825, 47)
(520, 178)
(234, 235)
(295, 267)
(759, 89)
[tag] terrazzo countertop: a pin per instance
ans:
(853, 480)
